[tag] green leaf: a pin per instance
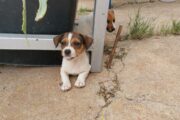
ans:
(24, 18)
(41, 10)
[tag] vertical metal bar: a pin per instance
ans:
(100, 18)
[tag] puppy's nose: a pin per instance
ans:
(67, 52)
(110, 29)
(107, 28)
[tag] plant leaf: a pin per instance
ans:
(41, 10)
(24, 18)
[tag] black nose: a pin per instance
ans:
(107, 28)
(110, 29)
(67, 52)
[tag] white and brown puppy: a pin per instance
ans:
(75, 58)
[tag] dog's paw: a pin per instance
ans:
(80, 83)
(65, 86)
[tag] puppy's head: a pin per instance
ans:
(72, 44)
(110, 21)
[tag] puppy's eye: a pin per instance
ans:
(108, 21)
(113, 20)
(78, 44)
(63, 43)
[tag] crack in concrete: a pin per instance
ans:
(101, 109)
(159, 102)
(109, 93)
(144, 99)
(122, 53)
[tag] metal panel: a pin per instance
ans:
(29, 42)
(100, 18)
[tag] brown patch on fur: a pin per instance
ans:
(64, 42)
(78, 45)
(58, 39)
(86, 40)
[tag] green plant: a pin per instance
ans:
(24, 17)
(39, 15)
(165, 29)
(176, 27)
(139, 27)
(41, 10)
(83, 11)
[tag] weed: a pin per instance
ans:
(83, 11)
(174, 28)
(165, 30)
(139, 27)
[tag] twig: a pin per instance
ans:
(111, 56)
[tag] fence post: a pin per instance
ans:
(99, 30)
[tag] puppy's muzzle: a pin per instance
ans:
(110, 29)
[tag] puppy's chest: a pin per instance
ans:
(76, 67)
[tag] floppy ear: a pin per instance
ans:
(87, 40)
(58, 39)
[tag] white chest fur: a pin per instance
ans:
(77, 65)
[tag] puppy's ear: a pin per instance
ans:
(86, 40)
(58, 39)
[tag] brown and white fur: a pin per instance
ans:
(85, 23)
(75, 58)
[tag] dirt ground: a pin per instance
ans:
(143, 83)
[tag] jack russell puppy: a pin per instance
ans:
(75, 58)
(85, 23)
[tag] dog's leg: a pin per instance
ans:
(66, 82)
(80, 82)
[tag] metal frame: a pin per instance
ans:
(44, 42)
(99, 30)
(26, 42)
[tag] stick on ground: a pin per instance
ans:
(111, 56)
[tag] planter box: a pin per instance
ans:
(58, 19)
(38, 49)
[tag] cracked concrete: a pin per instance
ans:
(149, 81)
(143, 83)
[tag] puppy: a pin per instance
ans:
(85, 23)
(75, 58)
(111, 21)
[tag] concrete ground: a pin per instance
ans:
(143, 83)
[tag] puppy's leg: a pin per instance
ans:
(80, 82)
(66, 82)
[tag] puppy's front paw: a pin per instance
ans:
(80, 83)
(65, 86)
